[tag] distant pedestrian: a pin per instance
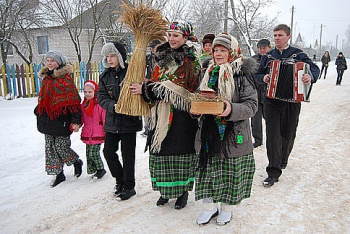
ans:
(326, 58)
(340, 61)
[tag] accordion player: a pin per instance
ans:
(285, 83)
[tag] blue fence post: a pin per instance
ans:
(14, 80)
(82, 66)
(100, 67)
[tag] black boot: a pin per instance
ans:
(126, 194)
(181, 201)
(78, 168)
(100, 173)
(59, 179)
(119, 187)
(162, 201)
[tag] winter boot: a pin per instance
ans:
(78, 168)
(59, 179)
(162, 201)
(210, 211)
(224, 215)
(118, 188)
(100, 173)
(181, 201)
(126, 194)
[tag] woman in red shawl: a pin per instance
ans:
(58, 115)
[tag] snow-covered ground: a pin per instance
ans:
(313, 195)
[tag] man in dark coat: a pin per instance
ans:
(281, 117)
(256, 121)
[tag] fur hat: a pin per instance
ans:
(263, 42)
(57, 56)
(114, 48)
(229, 42)
(208, 38)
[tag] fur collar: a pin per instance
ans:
(249, 66)
(61, 71)
(165, 54)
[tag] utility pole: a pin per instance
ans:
(226, 15)
(336, 43)
(291, 26)
(321, 38)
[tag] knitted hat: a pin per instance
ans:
(263, 42)
(208, 38)
(91, 84)
(229, 42)
(57, 56)
(114, 48)
(340, 53)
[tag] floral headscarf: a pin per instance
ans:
(183, 27)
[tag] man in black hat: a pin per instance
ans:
(256, 121)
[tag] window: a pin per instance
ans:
(43, 44)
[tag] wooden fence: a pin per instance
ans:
(23, 81)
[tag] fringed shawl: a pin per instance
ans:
(172, 95)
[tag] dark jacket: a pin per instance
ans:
(341, 63)
(325, 60)
(109, 89)
(59, 126)
(289, 53)
(260, 88)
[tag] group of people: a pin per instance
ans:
(212, 152)
(340, 62)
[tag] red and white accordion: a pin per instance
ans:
(285, 83)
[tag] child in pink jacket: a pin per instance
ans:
(92, 133)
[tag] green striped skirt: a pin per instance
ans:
(173, 175)
(226, 180)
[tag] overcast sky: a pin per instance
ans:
(310, 14)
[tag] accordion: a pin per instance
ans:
(285, 82)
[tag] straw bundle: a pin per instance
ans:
(147, 24)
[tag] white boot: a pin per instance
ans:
(209, 211)
(224, 215)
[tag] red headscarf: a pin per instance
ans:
(90, 104)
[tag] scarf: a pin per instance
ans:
(89, 104)
(58, 95)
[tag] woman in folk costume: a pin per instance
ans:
(58, 115)
(207, 42)
(92, 133)
(172, 132)
(226, 162)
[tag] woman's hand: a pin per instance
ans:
(136, 88)
(227, 109)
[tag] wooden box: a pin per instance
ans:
(213, 108)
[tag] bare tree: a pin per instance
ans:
(17, 16)
(251, 23)
(207, 16)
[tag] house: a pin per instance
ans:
(57, 37)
